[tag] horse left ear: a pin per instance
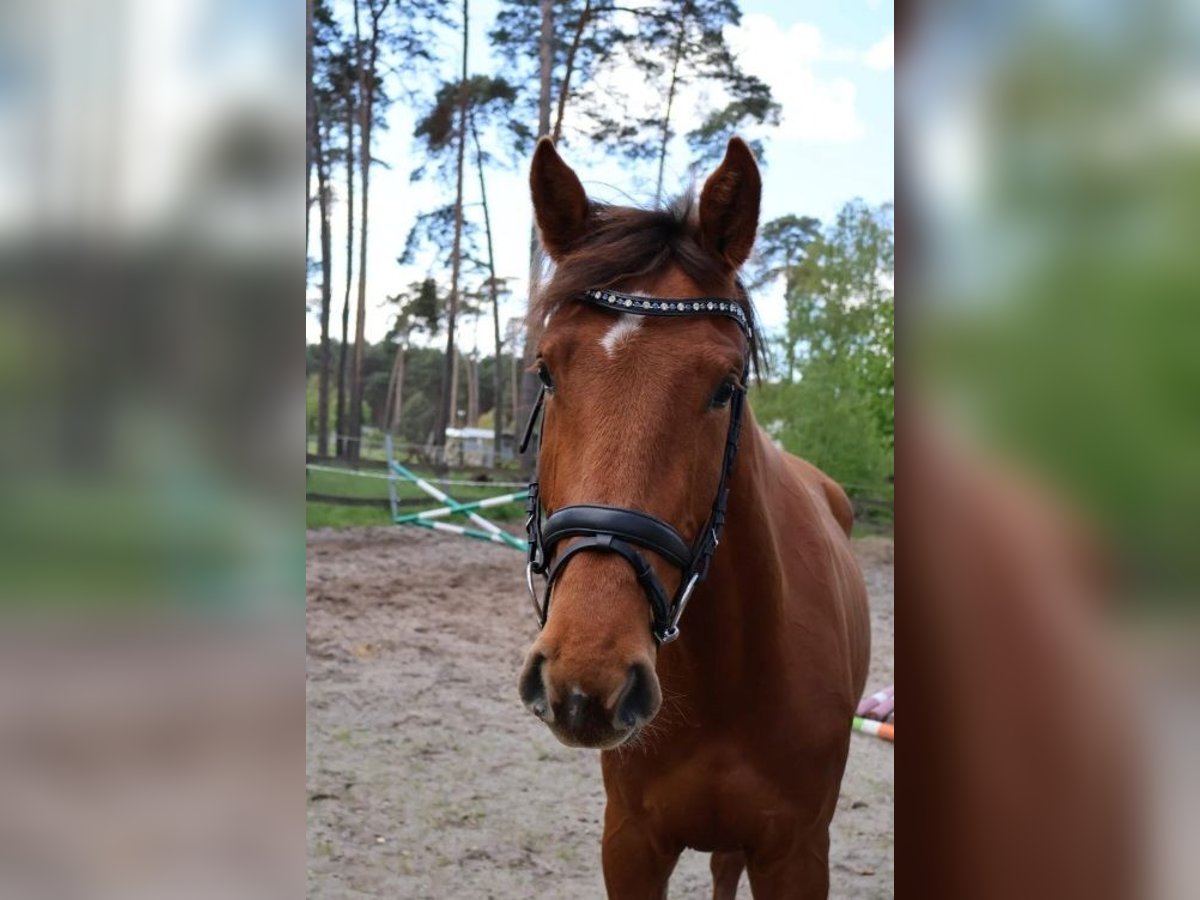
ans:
(729, 205)
(560, 204)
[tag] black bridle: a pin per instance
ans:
(616, 529)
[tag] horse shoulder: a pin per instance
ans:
(828, 491)
(828, 568)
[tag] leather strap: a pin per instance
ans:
(631, 525)
(660, 605)
(527, 436)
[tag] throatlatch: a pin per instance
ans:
(615, 529)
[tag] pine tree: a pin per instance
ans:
(565, 48)
(323, 37)
(458, 110)
(393, 30)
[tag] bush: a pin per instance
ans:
(826, 420)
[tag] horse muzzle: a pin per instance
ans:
(600, 718)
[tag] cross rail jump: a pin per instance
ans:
(430, 518)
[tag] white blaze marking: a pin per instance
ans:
(622, 330)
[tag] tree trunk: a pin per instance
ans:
(395, 392)
(323, 201)
(446, 408)
(472, 391)
(666, 123)
(310, 116)
(366, 111)
(516, 394)
(454, 370)
(565, 89)
(398, 396)
(497, 375)
(340, 424)
(546, 66)
(789, 288)
(529, 383)
(526, 396)
(354, 417)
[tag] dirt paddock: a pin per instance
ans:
(427, 779)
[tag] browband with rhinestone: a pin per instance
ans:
(661, 306)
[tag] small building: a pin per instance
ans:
(475, 447)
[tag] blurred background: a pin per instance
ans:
(151, 546)
(1049, 171)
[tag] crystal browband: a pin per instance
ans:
(660, 306)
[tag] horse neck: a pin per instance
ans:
(734, 612)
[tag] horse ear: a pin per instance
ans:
(559, 201)
(729, 205)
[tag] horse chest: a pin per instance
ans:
(716, 799)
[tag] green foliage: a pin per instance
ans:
(664, 39)
(836, 402)
(675, 44)
(782, 244)
(419, 308)
(416, 416)
(433, 233)
(516, 40)
(311, 399)
(490, 101)
(829, 422)
(422, 387)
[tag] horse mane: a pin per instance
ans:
(625, 245)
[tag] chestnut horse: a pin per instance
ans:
(732, 739)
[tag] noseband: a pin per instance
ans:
(619, 530)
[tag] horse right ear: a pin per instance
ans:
(729, 205)
(559, 201)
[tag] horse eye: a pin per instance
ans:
(544, 376)
(723, 395)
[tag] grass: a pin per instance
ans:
(327, 515)
(871, 529)
(869, 522)
(347, 484)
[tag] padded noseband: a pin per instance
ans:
(628, 524)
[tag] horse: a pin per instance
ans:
(725, 730)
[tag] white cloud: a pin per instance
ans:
(882, 54)
(814, 108)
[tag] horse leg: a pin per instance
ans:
(727, 869)
(634, 867)
(801, 872)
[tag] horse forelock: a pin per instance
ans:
(626, 246)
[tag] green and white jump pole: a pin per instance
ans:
(429, 518)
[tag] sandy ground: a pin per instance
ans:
(427, 779)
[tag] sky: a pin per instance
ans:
(829, 66)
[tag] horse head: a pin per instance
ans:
(641, 400)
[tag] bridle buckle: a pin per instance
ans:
(672, 630)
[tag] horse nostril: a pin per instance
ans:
(532, 687)
(639, 700)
